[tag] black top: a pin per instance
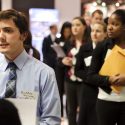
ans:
(89, 91)
(97, 61)
(49, 55)
(67, 48)
(81, 69)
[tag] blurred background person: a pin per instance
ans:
(49, 55)
(73, 83)
(65, 33)
(87, 115)
(8, 113)
(60, 71)
(96, 17)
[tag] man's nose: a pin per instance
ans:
(1, 33)
(2, 36)
(109, 28)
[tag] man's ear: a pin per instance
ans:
(23, 36)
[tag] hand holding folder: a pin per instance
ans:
(114, 64)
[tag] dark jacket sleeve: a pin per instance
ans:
(80, 68)
(93, 76)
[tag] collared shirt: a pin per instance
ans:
(93, 45)
(53, 37)
(34, 76)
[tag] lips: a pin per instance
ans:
(110, 33)
(3, 45)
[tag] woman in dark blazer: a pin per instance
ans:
(110, 106)
(73, 83)
(87, 115)
(60, 71)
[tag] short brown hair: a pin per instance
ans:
(18, 18)
(97, 11)
(53, 26)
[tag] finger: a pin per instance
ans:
(117, 74)
(115, 80)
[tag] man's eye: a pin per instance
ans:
(8, 30)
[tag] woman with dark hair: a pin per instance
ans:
(8, 113)
(65, 31)
(60, 71)
(110, 105)
(73, 83)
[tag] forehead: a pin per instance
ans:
(7, 23)
(97, 15)
(114, 18)
(76, 21)
(67, 29)
(97, 26)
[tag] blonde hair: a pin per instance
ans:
(104, 25)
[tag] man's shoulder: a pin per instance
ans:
(39, 65)
(47, 37)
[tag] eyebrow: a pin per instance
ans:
(8, 27)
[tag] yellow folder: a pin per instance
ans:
(114, 64)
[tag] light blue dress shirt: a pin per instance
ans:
(34, 76)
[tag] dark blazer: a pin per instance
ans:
(49, 55)
(60, 73)
(67, 48)
(89, 91)
(97, 61)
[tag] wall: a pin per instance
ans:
(68, 9)
(24, 5)
(6, 4)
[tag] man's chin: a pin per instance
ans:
(3, 52)
(111, 36)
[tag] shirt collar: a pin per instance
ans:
(53, 37)
(19, 61)
(4, 62)
(93, 45)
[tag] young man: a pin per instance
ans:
(97, 16)
(30, 75)
(49, 55)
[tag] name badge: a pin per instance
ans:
(28, 95)
(88, 60)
